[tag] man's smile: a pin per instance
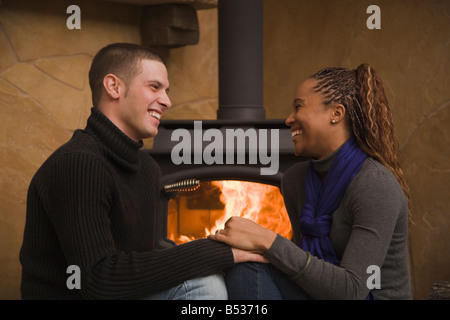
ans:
(155, 114)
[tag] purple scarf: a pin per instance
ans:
(323, 199)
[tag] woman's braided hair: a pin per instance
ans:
(362, 94)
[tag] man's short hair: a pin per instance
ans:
(122, 60)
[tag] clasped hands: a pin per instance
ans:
(249, 240)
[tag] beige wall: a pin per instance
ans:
(44, 93)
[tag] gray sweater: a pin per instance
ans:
(370, 227)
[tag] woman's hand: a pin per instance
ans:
(245, 234)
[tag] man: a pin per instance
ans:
(92, 203)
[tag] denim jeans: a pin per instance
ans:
(205, 288)
(261, 281)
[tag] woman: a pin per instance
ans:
(348, 205)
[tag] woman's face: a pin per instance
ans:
(310, 123)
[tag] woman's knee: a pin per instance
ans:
(251, 280)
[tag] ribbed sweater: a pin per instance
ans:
(92, 204)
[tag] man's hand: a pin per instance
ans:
(245, 234)
(246, 256)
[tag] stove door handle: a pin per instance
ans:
(185, 185)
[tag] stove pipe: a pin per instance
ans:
(240, 24)
(240, 44)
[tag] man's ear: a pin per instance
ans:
(113, 86)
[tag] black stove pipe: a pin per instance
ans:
(240, 24)
(240, 65)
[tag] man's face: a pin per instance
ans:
(145, 101)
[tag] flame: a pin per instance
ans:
(259, 202)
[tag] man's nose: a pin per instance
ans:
(164, 100)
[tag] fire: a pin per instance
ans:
(261, 203)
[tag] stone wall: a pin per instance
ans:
(45, 96)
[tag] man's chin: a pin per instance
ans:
(150, 134)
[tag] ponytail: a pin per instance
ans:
(378, 139)
(378, 127)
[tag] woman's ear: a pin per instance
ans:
(112, 85)
(338, 113)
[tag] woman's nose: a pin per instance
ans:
(290, 119)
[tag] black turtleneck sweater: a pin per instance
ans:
(92, 204)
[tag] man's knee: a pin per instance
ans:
(206, 288)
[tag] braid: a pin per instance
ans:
(339, 85)
(362, 94)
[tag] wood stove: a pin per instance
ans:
(240, 119)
